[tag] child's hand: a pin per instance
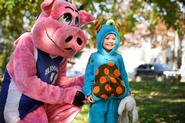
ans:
(129, 94)
(90, 99)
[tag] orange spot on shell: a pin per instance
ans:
(96, 89)
(112, 79)
(106, 71)
(119, 90)
(110, 64)
(104, 96)
(97, 71)
(122, 82)
(112, 94)
(102, 79)
(116, 72)
(108, 87)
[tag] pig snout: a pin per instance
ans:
(70, 40)
(74, 42)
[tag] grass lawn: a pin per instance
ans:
(157, 102)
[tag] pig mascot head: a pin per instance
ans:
(57, 30)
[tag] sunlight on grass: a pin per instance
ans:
(173, 100)
(153, 94)
(83, 116)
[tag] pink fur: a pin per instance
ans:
(49, 34)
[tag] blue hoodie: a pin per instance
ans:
(105, 75)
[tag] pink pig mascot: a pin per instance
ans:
(35, 88)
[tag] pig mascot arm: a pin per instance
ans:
(64, 81)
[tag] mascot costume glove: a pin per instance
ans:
(127, 107)
(35, 88)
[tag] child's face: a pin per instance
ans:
(109, 42)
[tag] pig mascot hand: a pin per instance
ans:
(35, 88)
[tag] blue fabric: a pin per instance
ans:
(47, 69)
(3, 95)
(104, 111)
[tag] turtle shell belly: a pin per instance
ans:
(108, 82)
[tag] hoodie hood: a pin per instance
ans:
(102, 33)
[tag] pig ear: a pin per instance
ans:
(85, 17)
(46, 6)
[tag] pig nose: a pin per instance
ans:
(79, 41)
(68, 39)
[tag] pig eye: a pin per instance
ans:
(66, 18)
(76, 22)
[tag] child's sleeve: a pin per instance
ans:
(89, 77)
(124, 74)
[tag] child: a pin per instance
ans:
(106, 81)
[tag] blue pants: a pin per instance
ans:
(104, 111)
